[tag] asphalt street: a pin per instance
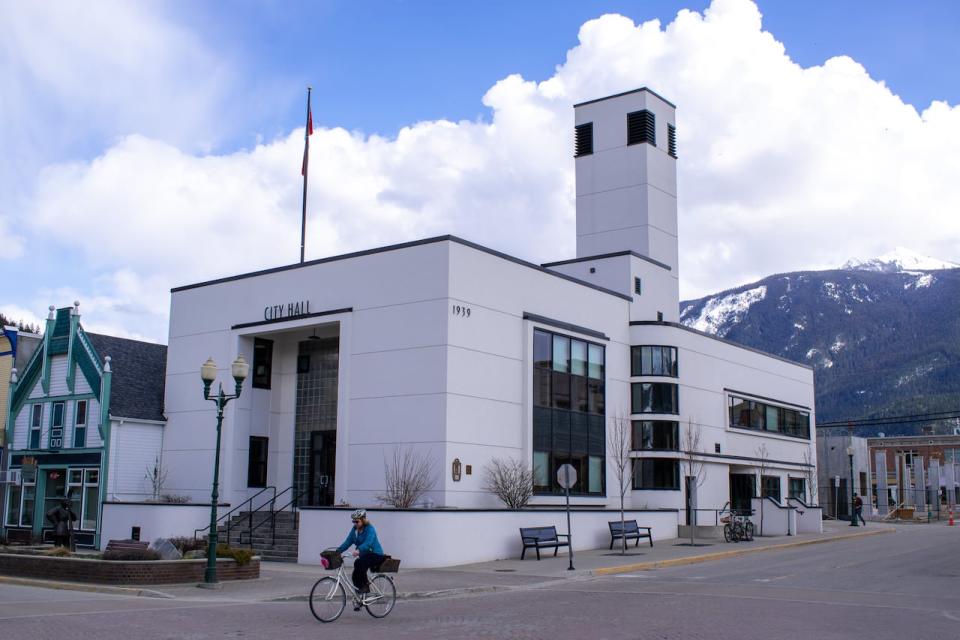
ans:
(899, 585)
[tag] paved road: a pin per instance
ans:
(895, 586)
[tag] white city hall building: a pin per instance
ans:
(462, 354)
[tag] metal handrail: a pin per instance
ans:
(273, 516)
(237, 508)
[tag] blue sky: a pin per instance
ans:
(131, 129)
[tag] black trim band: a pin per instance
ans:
(291, 318)
(395, 247)
(559, 324)
(88, 458)
(750, 459)
(676, 325)
(603, 256)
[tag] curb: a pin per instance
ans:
(410, 595)
(720, 555)
(89, 588)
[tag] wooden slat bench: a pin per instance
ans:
(629, 530)
(127, 545)
(542, 538)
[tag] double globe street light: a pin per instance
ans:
(208, 372)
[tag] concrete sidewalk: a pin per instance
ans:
(281, 581)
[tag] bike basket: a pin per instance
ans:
(333, 558)
(390, 565)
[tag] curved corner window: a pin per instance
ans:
(654, 397)
(653, 361)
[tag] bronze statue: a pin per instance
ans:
(62, 519)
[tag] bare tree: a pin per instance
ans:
(810, 471)
(694, 467)
(763, 463)
(510, 480)
(157, 477)
(619, 445)
(408, 475)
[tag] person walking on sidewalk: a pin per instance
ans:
(858, 509)
(368, 551)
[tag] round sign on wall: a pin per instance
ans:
(566, 476)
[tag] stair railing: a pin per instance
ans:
(246, 503)
(294, 501)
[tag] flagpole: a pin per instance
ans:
(306, 170)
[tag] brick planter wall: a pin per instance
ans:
(120, 572)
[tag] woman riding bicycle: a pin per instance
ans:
(368, 551)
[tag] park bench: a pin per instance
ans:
(628, 530)
(542, 538)
(127, 545)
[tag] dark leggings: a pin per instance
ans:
(362, 565)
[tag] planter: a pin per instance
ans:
(122, 572)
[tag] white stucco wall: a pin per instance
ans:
(135, 447)
(435, 538)
(154, 520)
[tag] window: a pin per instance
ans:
(568, 412)
(656, 473)
(262, 363)
(672, 140)
(80, 425)
(91, 499)
(951, 455)
(654, 397)
(655, 435)
(653, 361)
(257, 462)
(583, 140)
(637, 286)
(56, 426)
(641, 127)
(20, 505)
(36, 419)
(770, 487)
(13, 506)
(797, 488)
(760, 416)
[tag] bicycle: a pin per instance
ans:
(328, 597)
(737, 528)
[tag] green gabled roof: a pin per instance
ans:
(60, 340)
(89, 368)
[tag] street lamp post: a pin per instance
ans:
(853, 500)
(208, 372)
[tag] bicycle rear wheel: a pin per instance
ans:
(727, 533)
(327, 599)
(382, 596)
(748, 531)
(738, 533)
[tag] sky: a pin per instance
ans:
(151, 145)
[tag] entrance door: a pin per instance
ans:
(742, 487)
(323, 459)
(689, 487)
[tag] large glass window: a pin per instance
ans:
(656, 473)
(568, 412)
(771, 487)
(262, 363)
(653, 361)
(91, 499)
(13, 506)
(28, 504)
(654, 397)
(659, 435)
(762, 416)
(797, 488)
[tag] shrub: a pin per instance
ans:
(185, 543)
(170, 498)
(242, 556)
(131, 554)
(57, 552)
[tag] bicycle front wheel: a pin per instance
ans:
(748, 530)
(327, 599)
(382, 596)
(727, 533)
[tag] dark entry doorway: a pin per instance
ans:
(323, 460)
(742, 489)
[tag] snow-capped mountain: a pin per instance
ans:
(882, 339)
(900, 260)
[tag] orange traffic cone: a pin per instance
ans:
(950, 522)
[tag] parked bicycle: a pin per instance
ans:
(737, 527)
(328, 597)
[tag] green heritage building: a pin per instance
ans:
(80, 400)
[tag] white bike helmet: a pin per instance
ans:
(359, 514)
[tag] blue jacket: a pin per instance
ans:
(366, 541)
